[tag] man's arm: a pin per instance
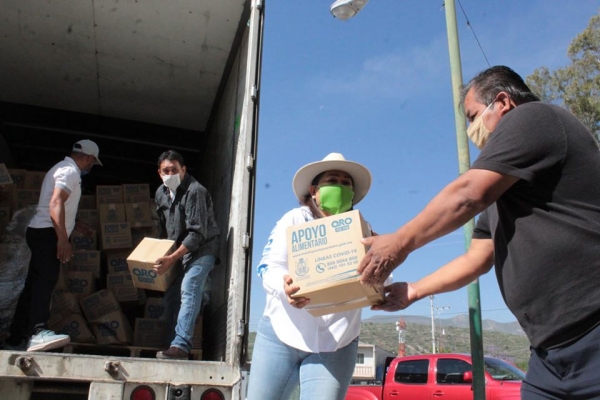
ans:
(57, 215)
(459, 272)
(456, 204)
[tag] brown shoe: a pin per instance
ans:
(173, 353)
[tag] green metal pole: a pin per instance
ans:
(464, 162)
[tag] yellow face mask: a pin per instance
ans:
(477, 131)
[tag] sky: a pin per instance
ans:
(377, 88)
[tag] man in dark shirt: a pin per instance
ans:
(541, 167)
(186, 214)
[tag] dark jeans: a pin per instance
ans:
(569, 372)
(33, 308)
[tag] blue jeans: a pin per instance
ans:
(277, 368)
(184, 300)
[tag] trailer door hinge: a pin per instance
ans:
(249, 162)
(254, 93)
(246, 241)
(241, 328)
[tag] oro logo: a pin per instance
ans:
(144, 273)
(83, 240)
(78, 282)
(341, 222)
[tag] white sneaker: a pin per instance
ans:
(47, 340)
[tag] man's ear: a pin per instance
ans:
(313, 190)
(507, 103)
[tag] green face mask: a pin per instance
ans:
(335, 199)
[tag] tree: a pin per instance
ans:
(576, 86)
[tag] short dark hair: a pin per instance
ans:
(489, 83)
(171, 155)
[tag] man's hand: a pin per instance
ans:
(290, 289)
(384, 255)
(163, 264)
(64, 252)
(399, 296)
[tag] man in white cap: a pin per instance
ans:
(48, 239)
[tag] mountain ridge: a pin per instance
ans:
(458, 321)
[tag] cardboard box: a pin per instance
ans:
(5, 178)
(123, 288)
(100, 303)
(154, 307)
(76, 327)
(112, 213)
(18, 177)
(7, 195)
(81, 284)
(150, 332)
(89, 218)
(87, 202)
(64, 303)
(61, 283)
(323, 256)
(116, 261)
(139, 234)
(112, 328)
(109, 194)
(139, 215)
(197, 337)
(142, 259)
(33, 180)
(136, 193)
(115, 235)
(86, 261)
(84, 241)
(25, 197)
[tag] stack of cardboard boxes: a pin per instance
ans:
(19, 188)
(100, 294)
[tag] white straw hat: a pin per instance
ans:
(88, 147)
(333, 161)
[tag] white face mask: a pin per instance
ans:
(477, 131)
(171, 181)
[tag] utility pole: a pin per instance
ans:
(432, 327)
(439, 310)
(400, 326)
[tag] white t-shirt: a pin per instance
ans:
(66, 176)
(297, 327)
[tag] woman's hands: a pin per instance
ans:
(290, 289)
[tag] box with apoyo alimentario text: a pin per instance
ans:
(141, 262)
(323, 257)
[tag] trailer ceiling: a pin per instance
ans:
(153, 61)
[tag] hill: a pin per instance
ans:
(459, 321)
(503, 340)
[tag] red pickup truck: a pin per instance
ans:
(441, 376)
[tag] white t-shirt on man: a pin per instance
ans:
(66, 176)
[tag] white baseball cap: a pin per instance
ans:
(88, 147)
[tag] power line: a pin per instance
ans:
(475, 35)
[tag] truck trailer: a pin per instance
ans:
(138, 78)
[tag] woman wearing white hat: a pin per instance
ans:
(292, 347)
